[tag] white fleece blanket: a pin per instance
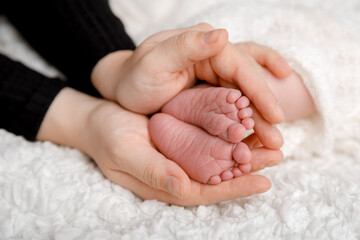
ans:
(49, 191)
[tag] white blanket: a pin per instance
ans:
(48, 191)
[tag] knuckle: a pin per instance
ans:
(249, 47)
(181, 40)
(151, 176)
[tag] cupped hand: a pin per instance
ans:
(119, 142)
(167, 62)
(144, 80)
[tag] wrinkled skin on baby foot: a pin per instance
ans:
(219, 111)
(205, 158)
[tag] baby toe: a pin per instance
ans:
(235, 132)
(226, 175)
(245, 113)
(245, 168)
(214, 180)
(236, 172)
(233, 96)
(243, 102)
(248, 123)
(242, 153)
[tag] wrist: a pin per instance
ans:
(107, 73)
(66, 119)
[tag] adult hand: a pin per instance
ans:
(144, 80)
(195, 193)
(170, 61)
(120, 144)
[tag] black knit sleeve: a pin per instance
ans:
(73, 35)
(25, 97)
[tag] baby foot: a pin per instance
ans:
(222, 112)
(205, 158)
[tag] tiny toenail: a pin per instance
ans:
(232, 97)
(174, 187)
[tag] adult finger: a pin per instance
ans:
(201, 194)
(161, 36)
(267, 133)
(182, 51)
(238, 67)
(153, 169)
(262, 157)
(267, 57)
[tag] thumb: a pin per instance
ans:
(158, 172)
(166, 175)
(183, 50)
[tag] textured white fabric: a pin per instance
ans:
(48, 191)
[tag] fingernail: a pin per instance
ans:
(277, 136)
(262, 190)
(211, 37)
(281, 112)
(174, 187)
(272, 164)
(266, 186)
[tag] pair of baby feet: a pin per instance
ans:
(201, 130)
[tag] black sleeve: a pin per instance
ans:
(70, 34)
(25, 97)
(73, 35)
